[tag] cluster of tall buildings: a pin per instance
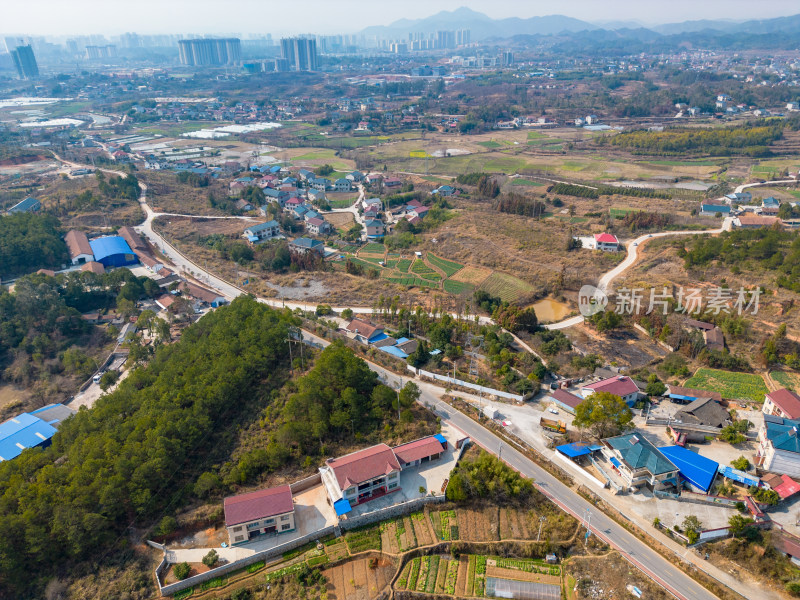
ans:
(25, 62)
(96, 52)
(210, 52)
(300, 53)
(441, 40)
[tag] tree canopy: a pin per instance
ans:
(605, 414)
(30, 241)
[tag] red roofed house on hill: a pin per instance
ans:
(621, 385)
(78, 245)
(606, 242)
(264, 512)
(782, 403)
(420, 451)
(362, 475)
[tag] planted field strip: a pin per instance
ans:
(788, 380)
(403, 264)
(449, 525)
(433, 574)
(526, 182)
(424, 271)
(374, 248)
(337, 551)
(451, 577)
(422, 530)
(616, 212)
(489, 144)
(520, 575)
(734, 386)
(364, 263)
(340, 203)
(413, 575)
(457, 288)
(462, 577)
(449, 267)
(506, 287)
(470, 586)
(422, 579)
(410, 537)
(389, 537)
(472, 275)
(442, 575)
(375, 260)
(411, 280)
(402, 581)
(359, 540)
(529, 566)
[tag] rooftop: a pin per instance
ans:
(638, 453)
(21, 432)
(783, 433)
(103, 247)
(363, 465)
(606, 238)
(363, 328)
(566, 397)
(787, 401)
(427, 446)
(77, 243)
(621, 385)
(258, 505)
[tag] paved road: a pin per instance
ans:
(632, 548)
(744, 186)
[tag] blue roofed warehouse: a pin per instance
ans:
(112, 251)
(22, 432)
(698, 471)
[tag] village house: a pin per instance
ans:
(782, 403)
(639, 463)
(375, 228)
(318, 226)
(305, 245)
(621, 385)
(342, 185)
(444, 190)
(606, 242)
(755, 221)
(256, 234)
(27, 205)
(778, 446)
(714, 207)
(264, 512)
(360, 476)
(363, 331)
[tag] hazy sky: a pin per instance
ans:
(70, 17)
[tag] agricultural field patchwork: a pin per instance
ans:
(786, 379)
(506, 287)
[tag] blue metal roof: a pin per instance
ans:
(394, 351)
(378, 337)
(440, 438)
(740, 476)
(575, 449)
(21, 432)
(402, 340)
(103, 247)
(615, 462)
(697, 470)
(304, 242)
(25, 205)
(342, 507)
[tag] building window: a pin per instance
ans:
(239, 528)
(392, 486)
(285, 518)
(285, 527)
(238, 538)
(351, 492)
(268, 521)
(392, 475)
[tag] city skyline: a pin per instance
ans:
(204, 17)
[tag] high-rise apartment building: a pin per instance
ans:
(25, 62)
(301, 53)
(462, 37)
(210, 52)
(96, 52)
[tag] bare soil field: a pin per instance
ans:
(354, 580)
(166, 194)
(607, 577)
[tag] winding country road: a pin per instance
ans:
(632, 548)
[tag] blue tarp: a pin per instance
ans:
(615, 462)
(739, 476)
(394, 351)
(342, 507)
(697, 470)
(574, 450)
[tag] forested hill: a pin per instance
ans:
(136, 453)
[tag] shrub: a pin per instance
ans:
(211, 558)
(182, 570)
(741, 463)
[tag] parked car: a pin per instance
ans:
(553, 410)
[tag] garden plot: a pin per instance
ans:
(506, 287)
(360, 579)
(733, 386)
(472, 275)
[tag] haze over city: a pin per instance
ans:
(54, 17)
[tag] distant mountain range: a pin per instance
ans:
(483, 27)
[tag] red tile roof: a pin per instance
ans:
(363, 465)
(258, 505)
(787, 487)
(130, 235)
(606, 238)
(364, 329)
(787, 401)
(621, 385)
(77, 243)
(565, 397)
(427, 446)
(94, 267)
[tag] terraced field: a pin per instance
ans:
(449, 267)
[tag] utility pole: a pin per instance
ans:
(500, 451)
